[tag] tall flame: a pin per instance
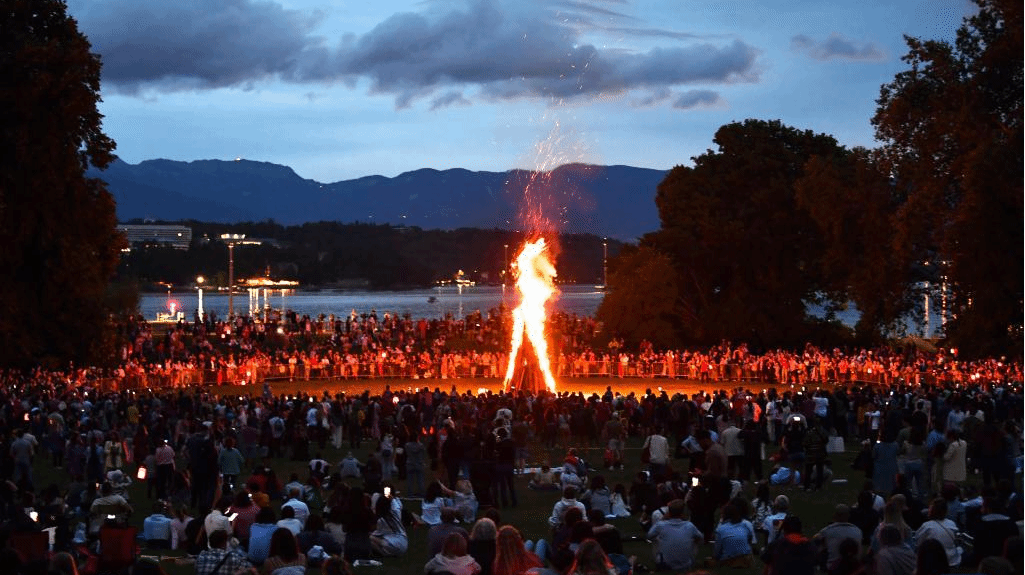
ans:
(536, 285)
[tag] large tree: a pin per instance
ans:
(744, 252)
(57, 227)
(951, 129)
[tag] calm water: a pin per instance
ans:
(582, 300)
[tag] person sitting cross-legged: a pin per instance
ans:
(675, 539)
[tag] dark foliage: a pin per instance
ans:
(56, 225)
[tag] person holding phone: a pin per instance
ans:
(389, 538)
(218, 517)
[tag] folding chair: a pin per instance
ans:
(31, 546)
(117, 548)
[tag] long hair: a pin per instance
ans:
(893, 514)
(590, 559)
(932, 558)
(511, 558)
(483, 530)
(283, 545)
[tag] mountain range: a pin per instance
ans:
(613, 201)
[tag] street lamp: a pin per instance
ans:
(505, 269)
(199, 286)
(605, 262)
(232, 240)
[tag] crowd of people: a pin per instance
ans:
(212, 489)
(248, 350)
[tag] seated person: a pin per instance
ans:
(108, 506)
(289, 521)
(544, 480)
(350, 467)
(675, 539)
(784, 476)
(156, 529)
(464, 500)
(569, 477)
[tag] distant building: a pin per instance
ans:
(179, 237)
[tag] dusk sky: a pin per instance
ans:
(343, 89)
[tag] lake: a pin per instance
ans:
(581, 300)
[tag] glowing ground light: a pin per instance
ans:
(535, 282)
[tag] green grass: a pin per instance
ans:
(530, 517)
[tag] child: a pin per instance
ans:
(618, 501)
(762, 506)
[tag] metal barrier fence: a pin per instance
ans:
(459, 367)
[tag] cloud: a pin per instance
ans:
(449, 99)
(836, 47)
(697, 99)
(197, 44)
(471, 50)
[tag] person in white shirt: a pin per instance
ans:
(569, 499)
(216, 519)
(734, 448)
(300, 509)
(941, 529)
(658, 449)
(289, 521)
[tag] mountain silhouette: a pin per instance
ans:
(612, 201)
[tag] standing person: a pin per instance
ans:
(675, 539)
(751, 437)
(713, 477)
(416, 463)
(814, 456)
(114, 452)
(733, 445)
(955, 467)
(884, 466)
(505, 462)
(21, 452)
(658, 450)
(230, 462)
(165, 468)
(386, 453)
(202, 468)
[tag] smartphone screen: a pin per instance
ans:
(694, 481)
(232, 516)
(387, 491)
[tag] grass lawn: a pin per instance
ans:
(531, 515)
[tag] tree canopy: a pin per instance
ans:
(777, 218)
(951, 133)
(751, 234)
(57, 226)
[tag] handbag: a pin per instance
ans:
(646, 454)
(835, 445)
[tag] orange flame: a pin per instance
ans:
(535, 283)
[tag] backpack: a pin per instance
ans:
(279, 426)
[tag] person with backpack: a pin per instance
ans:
(814, 456)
